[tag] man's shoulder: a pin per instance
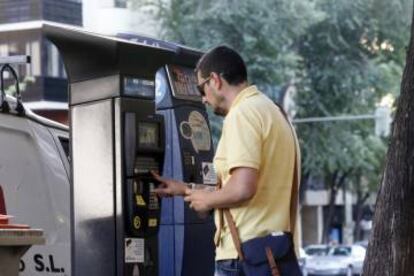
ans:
(259, 104)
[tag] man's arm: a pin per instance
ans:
(196, 186)
(169, 187)
(240, 188)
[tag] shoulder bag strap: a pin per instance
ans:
(294, 200)
(217, 237)
(272, 263)
(234, 233)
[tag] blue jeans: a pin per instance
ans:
(228, 268)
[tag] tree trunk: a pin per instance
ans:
(359, 210)
(337, 183)
(331, 210)
(391, 248)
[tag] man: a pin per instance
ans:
(254, 160)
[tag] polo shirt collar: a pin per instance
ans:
(244, 94)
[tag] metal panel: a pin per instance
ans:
(166, 250)
(118, 196)
(167, 207)
(89, 56)
(97, 89)
(93, 189)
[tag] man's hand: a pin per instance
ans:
(239, 189)
(199, 200)
(169, 187)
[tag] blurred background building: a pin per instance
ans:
(21, 33)
(116, 16)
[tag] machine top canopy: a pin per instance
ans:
(89, 55)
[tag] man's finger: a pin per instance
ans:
(196, 208)
(187, 198)
(161, 191)
(161, 186)
(161, 194)
(157, 176)
(158, 190)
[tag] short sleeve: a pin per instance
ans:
(243, 139)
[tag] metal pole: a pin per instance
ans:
(334, 118)
(22, 59)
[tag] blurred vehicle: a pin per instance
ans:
(344, 260)
(310, 251)
(317, 250)
(35, 179)
(302, 258)
(362, 243)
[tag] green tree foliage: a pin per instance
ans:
(264, 32)
(341, 55)
(350, 60)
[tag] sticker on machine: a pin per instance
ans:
(209, 173)
(201, 137)
(134, 250)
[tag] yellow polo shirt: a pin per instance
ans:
(256, 135)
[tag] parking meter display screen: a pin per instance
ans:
(184, 82)
(141, 88)
(148, 135)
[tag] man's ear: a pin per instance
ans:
(218, 80)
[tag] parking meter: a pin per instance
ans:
(185, 240)
(188, 157)
(116, 140)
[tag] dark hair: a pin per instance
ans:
(224, 61)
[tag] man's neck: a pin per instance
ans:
(234, 91)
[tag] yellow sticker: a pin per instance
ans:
(152, 222)
(140, 200)
(137, 222)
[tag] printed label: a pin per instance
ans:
(46, 260)
(134, 250)
(201, 137)
(209, 173)
(137, 222)
(139, 200)
(152, 222)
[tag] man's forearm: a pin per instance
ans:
(216, 198)
(239, 189)
(195, 186)
(223, 199)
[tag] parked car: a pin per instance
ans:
(362, 243)
(344, 260)
(302, 258)
(317, 250)
(309, 251)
